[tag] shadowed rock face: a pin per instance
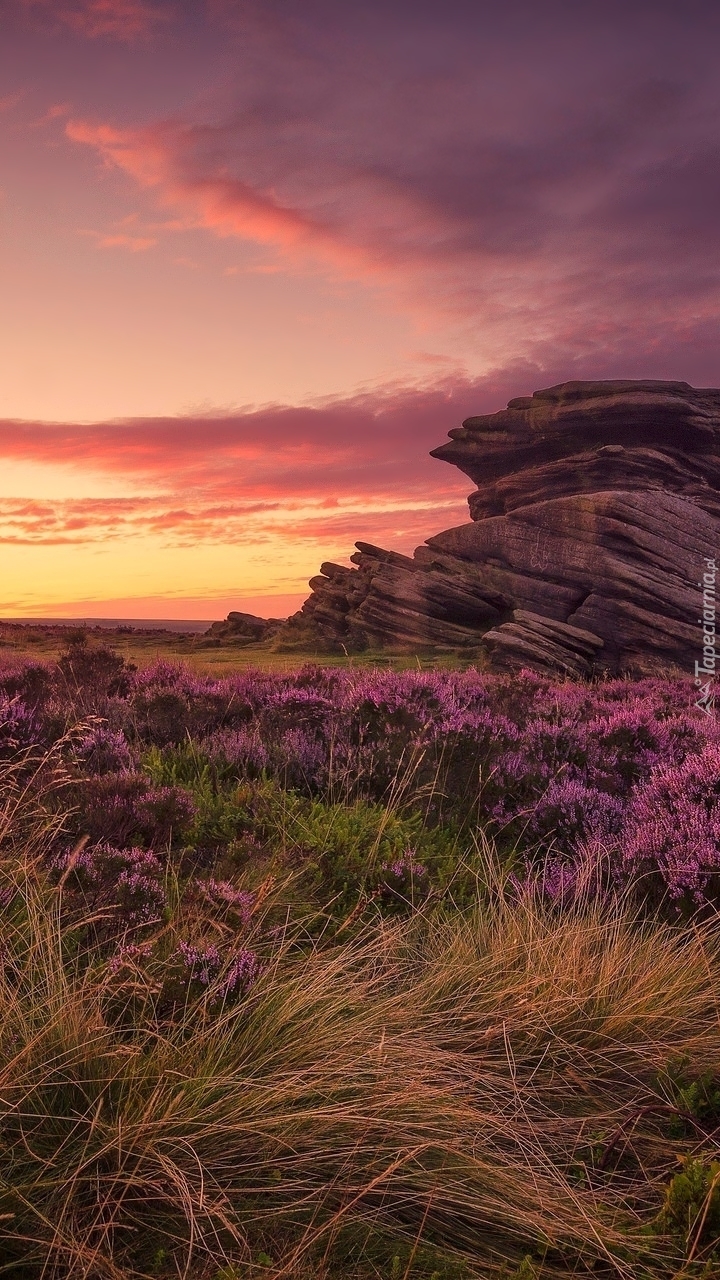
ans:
(597, 504)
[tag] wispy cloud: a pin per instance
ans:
(126, 20)
(242, 525)
(121, 240)
(154, 157)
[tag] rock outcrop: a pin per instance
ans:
(597, 505)
(243, 629)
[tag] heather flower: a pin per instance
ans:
(242, 971)
(30, 683)
(123, 807)
(570, 811)
(624, 745)
(130, 879)
(559, 880)
(202, 965)
(162, 717)
(103, 751)
(555, 880)
(242, 749)
(300, 758)
(107, 806)
(128, 954)
(205, 965)
(224, 894)
(562, 879)
(168, 702)
(673, 828)
(164, 813)
(18, 726)
(406, 866)
(553, 763)
(87, 675)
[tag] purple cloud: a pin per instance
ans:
(545, 179)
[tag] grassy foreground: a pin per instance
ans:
(356, 974)
(504, 1090)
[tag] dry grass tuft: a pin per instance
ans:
(492, 1084)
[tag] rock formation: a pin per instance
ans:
(243, 629)
(597, 504)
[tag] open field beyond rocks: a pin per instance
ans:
(40, 642)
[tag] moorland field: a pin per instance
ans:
(339, 971)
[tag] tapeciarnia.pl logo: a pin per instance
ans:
(705, 670)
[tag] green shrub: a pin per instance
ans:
(691, 1209)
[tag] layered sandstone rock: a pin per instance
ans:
(596, 506)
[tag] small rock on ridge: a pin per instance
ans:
(243, 629)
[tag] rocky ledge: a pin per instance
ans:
(596, 507)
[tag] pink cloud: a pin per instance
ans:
(340, 470)
(10, 100)
(548, 190)
(156, 158)
(325, 474)
(76, 521)
(375, 443)
(126, 20)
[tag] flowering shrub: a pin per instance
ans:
(236, 970)
(240, 973)
(103, 751)
(86, 675)
(123, 807)
(164, 814)
(545, 767)
(243, 750)
(405, 878)
(202, 965)
(672, 832)
(131, 881)
(406, 866)
(19, 727)
(167, 702)
(30, 683)
(569, 811)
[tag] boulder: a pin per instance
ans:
(243, 629)
(597, 505)
(533, 640)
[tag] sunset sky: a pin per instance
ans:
(256, 259)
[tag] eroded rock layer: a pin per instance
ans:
(597, 504)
